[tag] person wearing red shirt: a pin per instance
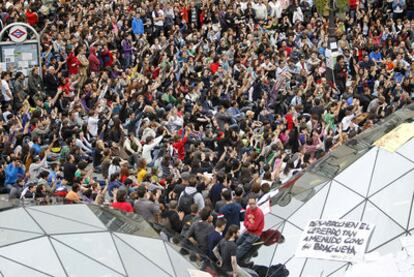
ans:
(254, 223)
(120, 202)
(179, 145)
(184, 14)
(107, 57)
(31, 17)
(215, 65)
(73, 63)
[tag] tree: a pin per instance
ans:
(322, 6)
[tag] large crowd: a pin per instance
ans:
(188, 112)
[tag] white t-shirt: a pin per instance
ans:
(4, 89)
(261, 11)
(93, 126)
(159, 23)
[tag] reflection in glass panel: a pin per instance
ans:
(180, 264)
(117, 221)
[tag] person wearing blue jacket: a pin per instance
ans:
(13, 172)
(137, 25)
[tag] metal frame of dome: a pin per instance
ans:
(355, 183)
(83, 240)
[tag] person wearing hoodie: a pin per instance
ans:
(190, 191)
(137, 25)
(94, 62)
(13, 172)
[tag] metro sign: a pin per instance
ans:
(18, 33)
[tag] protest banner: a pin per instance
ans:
(340, 240)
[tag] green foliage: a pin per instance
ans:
(322, 6)
(342, 5)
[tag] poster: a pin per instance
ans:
(9, 52)
(339, 240)
(27, 56)
(396, 138)
(23, 64)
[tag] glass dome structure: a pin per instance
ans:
(359, 182)
(83, 240)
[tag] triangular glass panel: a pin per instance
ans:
(339, 201)
(363, 169)
(266, 252)
(385, 228)
(57, 225)
(407, 150)
(8, 237)
(340, 272)
(77, 264)
(395, 199)
(271, 221)
(390, 246)
(19, 219)
(180, 264)
(312, 209)
(355, 214)
(36, 253)
(294, 202)
(295, 265)
(81, 213)
(315, 267)
(153, 249)
(287, 249)
(389, 167)
(104, 251)
(10, 268)
(137, 264)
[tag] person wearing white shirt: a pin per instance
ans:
(5, 88)
(260, 10)
(150, 144)
(133, 148)
(347, 123)
(93, 122)
(158, 19)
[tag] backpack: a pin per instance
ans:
(278, 270)
(270, 237)
(185, 202)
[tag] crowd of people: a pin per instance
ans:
(188, 112)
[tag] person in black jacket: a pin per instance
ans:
(51, 82)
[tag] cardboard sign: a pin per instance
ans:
(340, 240)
